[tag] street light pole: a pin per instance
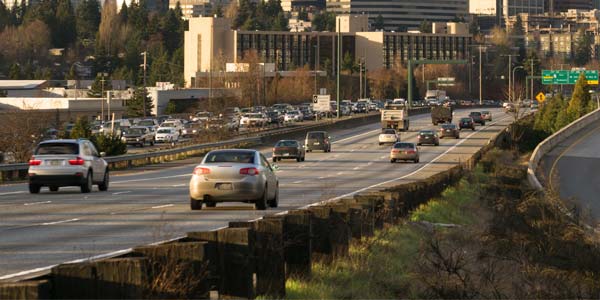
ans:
(513, 77)
(316, 64)
(145, 65)
(510, 56)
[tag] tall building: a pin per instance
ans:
(514, 7)
(210, 44)
(403, 14)
(294, 5)
(564, 5)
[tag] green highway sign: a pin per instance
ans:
(568, 77)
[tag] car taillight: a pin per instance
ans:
(411, 151)
(34, 162)
(249, 171)
(76, 162)
(395, 150)
(201, 171)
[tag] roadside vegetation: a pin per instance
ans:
(488, 236)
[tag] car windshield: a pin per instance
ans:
(146, 123)
(485, 112)
(465, 120)
(404, 146)
(287, 144)
(448, 126)
(57, 148)
(203, 114)
(135, 131)
(164, 130)
(245, 157)
(389, 131)
(167, 124)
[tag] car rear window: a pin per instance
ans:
(136, 131)
(485, 112)
(164, 131)
(404, 145)
(389, 131)
(475, 113)
(465, 119)
(448, 126)
(316, 135)
(287, 144)
(230, 157)
(57, 148)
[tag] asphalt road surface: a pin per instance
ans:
(574, 165)
(151, 204)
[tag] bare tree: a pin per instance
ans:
(20, 131)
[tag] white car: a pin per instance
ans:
(174, 123)
(253, 120)
(202, 116)
(388, 135)
(167, 135)
(293, 116)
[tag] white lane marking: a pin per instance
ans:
(153, 178)
(36, 203)
(383, 157)
(297, 182)
(12, 193)
(163, 206)
(355, 136)
(340, 173)
(405, 176)
(355, 168)
(322, 177)
(60, 222)
(121, 193)
(179, 185)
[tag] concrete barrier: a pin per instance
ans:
(549, 143)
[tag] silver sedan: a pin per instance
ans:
(234, 175)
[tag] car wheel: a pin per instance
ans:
(458, 137)
(142, 144)
(104, 185)
(417, 160)
(298, 159)
(53, 189)
(392, 160)
(473, 128)
(87, 186)
(152, 142)
(418, 144)
(436, 144)
(274, 159)
(195, 204)
(380, 144)
(261, 203)
(303, 158)
(275, 201)
(34, 188)
(211, 204)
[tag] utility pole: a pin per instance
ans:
(480, 78)
(510, 56)
(360, 93)
(316, 47)
(145, 66)
(339, 54)
(102, 95)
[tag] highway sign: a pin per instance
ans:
(321, 103)
(540, 97)
(568, 76)
(445, 81)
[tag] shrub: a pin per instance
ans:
(109, 143)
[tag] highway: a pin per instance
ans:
(151, 204)
(574, 165)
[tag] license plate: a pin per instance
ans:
(286, 154)
(316, 143)
(56, 162)
(448, 130)
(224, 186)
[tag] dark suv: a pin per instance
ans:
(317, 140)
(477, 117)
(466, 123)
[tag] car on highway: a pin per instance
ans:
(138, 136)
(152, 124)
(58, 163)
(234, 175)
(253, 120)
(293, 116)
(486, 115)
(202, 116)
(274, 117)
(167, 135)
(477, 117)
(289, 149)
(404, 151)
(466, 123)
(317, 140)
(449, 130)
(191, 129)
(428, 137)
(388, 135)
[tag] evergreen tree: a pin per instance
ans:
(169, 27)
(583, 48)
(87, 19)
(81, 129)
(517, 34)
(97, 87)
(5, 17)
(379, 23)
(123, 13)
(425, 26)
(217, 10)
(474, 26)
(159, 70)
(580, 100)
(135, 106)
(325, 21)
(65, 19)
(14, 72)
(348, 64)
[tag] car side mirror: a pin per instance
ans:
(102, 154)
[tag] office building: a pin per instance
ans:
(295, 5)
(400, 15)
(514, 7)
(206, 54)
(557, 6)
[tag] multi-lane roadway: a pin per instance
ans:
(151, 204)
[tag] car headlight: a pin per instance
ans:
(137, 140)
(124, 139)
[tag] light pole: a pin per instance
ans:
(513, 80)
(102, 93)
(316, 67)
(145, 66)
(510, 56)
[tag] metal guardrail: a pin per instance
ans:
(549, 143)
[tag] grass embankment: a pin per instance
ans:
(486, 237)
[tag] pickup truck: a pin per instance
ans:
(138, 135)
